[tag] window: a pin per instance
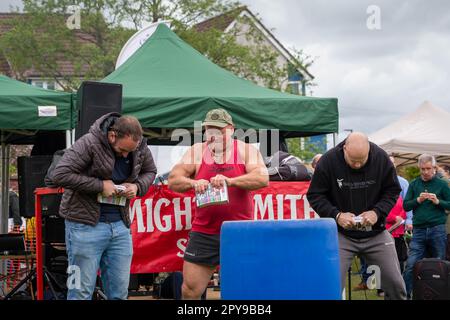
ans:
(39, 84)
(46, 84)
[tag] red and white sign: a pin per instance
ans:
(162, 219)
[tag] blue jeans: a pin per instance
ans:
(363, 270)
(106, 246)
(435, 238)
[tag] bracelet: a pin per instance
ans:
(337, 217)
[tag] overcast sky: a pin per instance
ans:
(378, 75)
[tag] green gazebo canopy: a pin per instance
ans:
(20, 104)
(168, 84)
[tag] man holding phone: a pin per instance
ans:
(428, 196)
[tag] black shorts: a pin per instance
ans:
(203, 249)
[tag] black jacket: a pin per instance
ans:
(336, 187)
(14, 211)
(87, 163)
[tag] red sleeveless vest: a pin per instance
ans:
(240, 207)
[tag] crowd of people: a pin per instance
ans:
(354, 183)
(358, 179)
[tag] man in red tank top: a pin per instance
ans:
(218, 161)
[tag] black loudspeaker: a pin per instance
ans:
(50, 204)
(96, 99)
(53, 229)
(31, 174)
(53, 239)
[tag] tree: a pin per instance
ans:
(182, 13)
(44, 41)
(302, 61)
(305, 151)
(409, 172)
(41, 40)
(256, 63)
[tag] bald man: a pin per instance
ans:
(355, 183)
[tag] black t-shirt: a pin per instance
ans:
(122, 170)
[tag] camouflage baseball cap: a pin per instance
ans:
(218, 118)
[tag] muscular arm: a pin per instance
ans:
(256, 176)
(180, 178)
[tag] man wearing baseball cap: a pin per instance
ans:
(219, 160)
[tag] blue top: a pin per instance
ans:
(404, 184)
(122, 170)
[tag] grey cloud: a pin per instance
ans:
(379, 75)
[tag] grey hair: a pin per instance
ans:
(424, 158)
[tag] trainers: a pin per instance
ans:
(361, 286)
(380, 293)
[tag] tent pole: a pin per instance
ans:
(3, 268)
(4, 214)
(68, 139)
(5, 188)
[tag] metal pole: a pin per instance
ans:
(68, 139)
(4, 192)
(5, 189)
(350, 283)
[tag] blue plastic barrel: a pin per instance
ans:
(280, 260)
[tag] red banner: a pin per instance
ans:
(162, 219)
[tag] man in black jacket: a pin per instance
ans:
(112, 161)
(355, 183)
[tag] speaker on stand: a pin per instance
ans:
(31, 174)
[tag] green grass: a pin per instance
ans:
(356, 279)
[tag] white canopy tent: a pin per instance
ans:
(426, 130)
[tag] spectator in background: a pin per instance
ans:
(446, 172)
(404, 184)
(395, 225)
(439, 172)
(315, 160)
(14, 212)
(428, 197)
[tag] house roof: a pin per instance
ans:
(220, 22)
(225, 21)
(65, 67)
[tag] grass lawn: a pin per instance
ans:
(356, 279)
